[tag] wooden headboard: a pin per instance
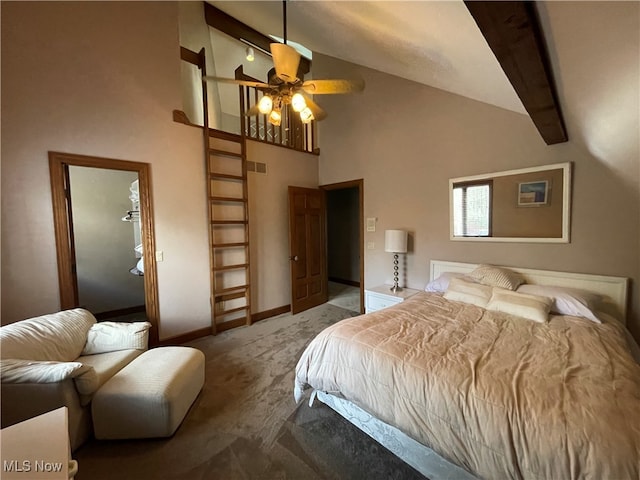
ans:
(613, 289)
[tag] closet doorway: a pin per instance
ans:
(345, 236)
(103, 222)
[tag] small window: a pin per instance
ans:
(472, 209)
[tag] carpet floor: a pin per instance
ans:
(245, 423)
(345, 296)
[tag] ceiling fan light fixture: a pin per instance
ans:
(283, 84)
(275, 118)
(265, 105)
(298, 103)
(306, 115)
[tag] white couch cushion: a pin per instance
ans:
(28, 371)
(56, 337)
(112, 336)
(104, 366)
(151, 396)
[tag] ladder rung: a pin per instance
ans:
(230, 267)
(228, 199)
(228, 222)
(232, 310)
(216, 151)
(224, 291)
(226, 176)
(230, 245)
(230, 296)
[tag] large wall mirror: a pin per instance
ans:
(524, 205)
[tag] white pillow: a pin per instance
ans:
(441, 283)
(567, 301)
(112, 336)
(29, 371)
(460, 290)
(531, 307)
(497, 277)
(56, 337)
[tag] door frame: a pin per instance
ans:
(359, 184)
(63, 227)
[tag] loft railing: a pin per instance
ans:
(291, 133)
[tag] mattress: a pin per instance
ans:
(498, 395)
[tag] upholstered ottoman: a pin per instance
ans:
(150, 396)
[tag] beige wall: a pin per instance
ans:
(406, 140)
(269, 220)
(100, 79)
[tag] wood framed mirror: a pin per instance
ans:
(524, 205)
(62, 166)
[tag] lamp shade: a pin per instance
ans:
(395, 241)
(306, 115)
(265, 105)
(298, 103)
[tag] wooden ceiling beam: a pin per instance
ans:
(512, 30)
(224, 22)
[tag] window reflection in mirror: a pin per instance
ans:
(525, 205)
(472, 209)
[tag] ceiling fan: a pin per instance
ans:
(285, 87)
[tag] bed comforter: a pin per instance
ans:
(501, 396)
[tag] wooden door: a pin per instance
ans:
(307, 248)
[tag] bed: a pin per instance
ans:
(462, 391)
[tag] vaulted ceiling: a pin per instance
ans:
(435, 43)
(593, 49)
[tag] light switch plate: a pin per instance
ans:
(371, 224)
(159, 256)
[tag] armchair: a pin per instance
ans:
(63, 359)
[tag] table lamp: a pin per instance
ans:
(395, 241)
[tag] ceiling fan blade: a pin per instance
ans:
(246, 83)
(286, 61)
(318, 113)
(319, 87)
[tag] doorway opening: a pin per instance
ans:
(345, 237)
(105, 243)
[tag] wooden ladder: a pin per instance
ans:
(228, 215)
(228, 205)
